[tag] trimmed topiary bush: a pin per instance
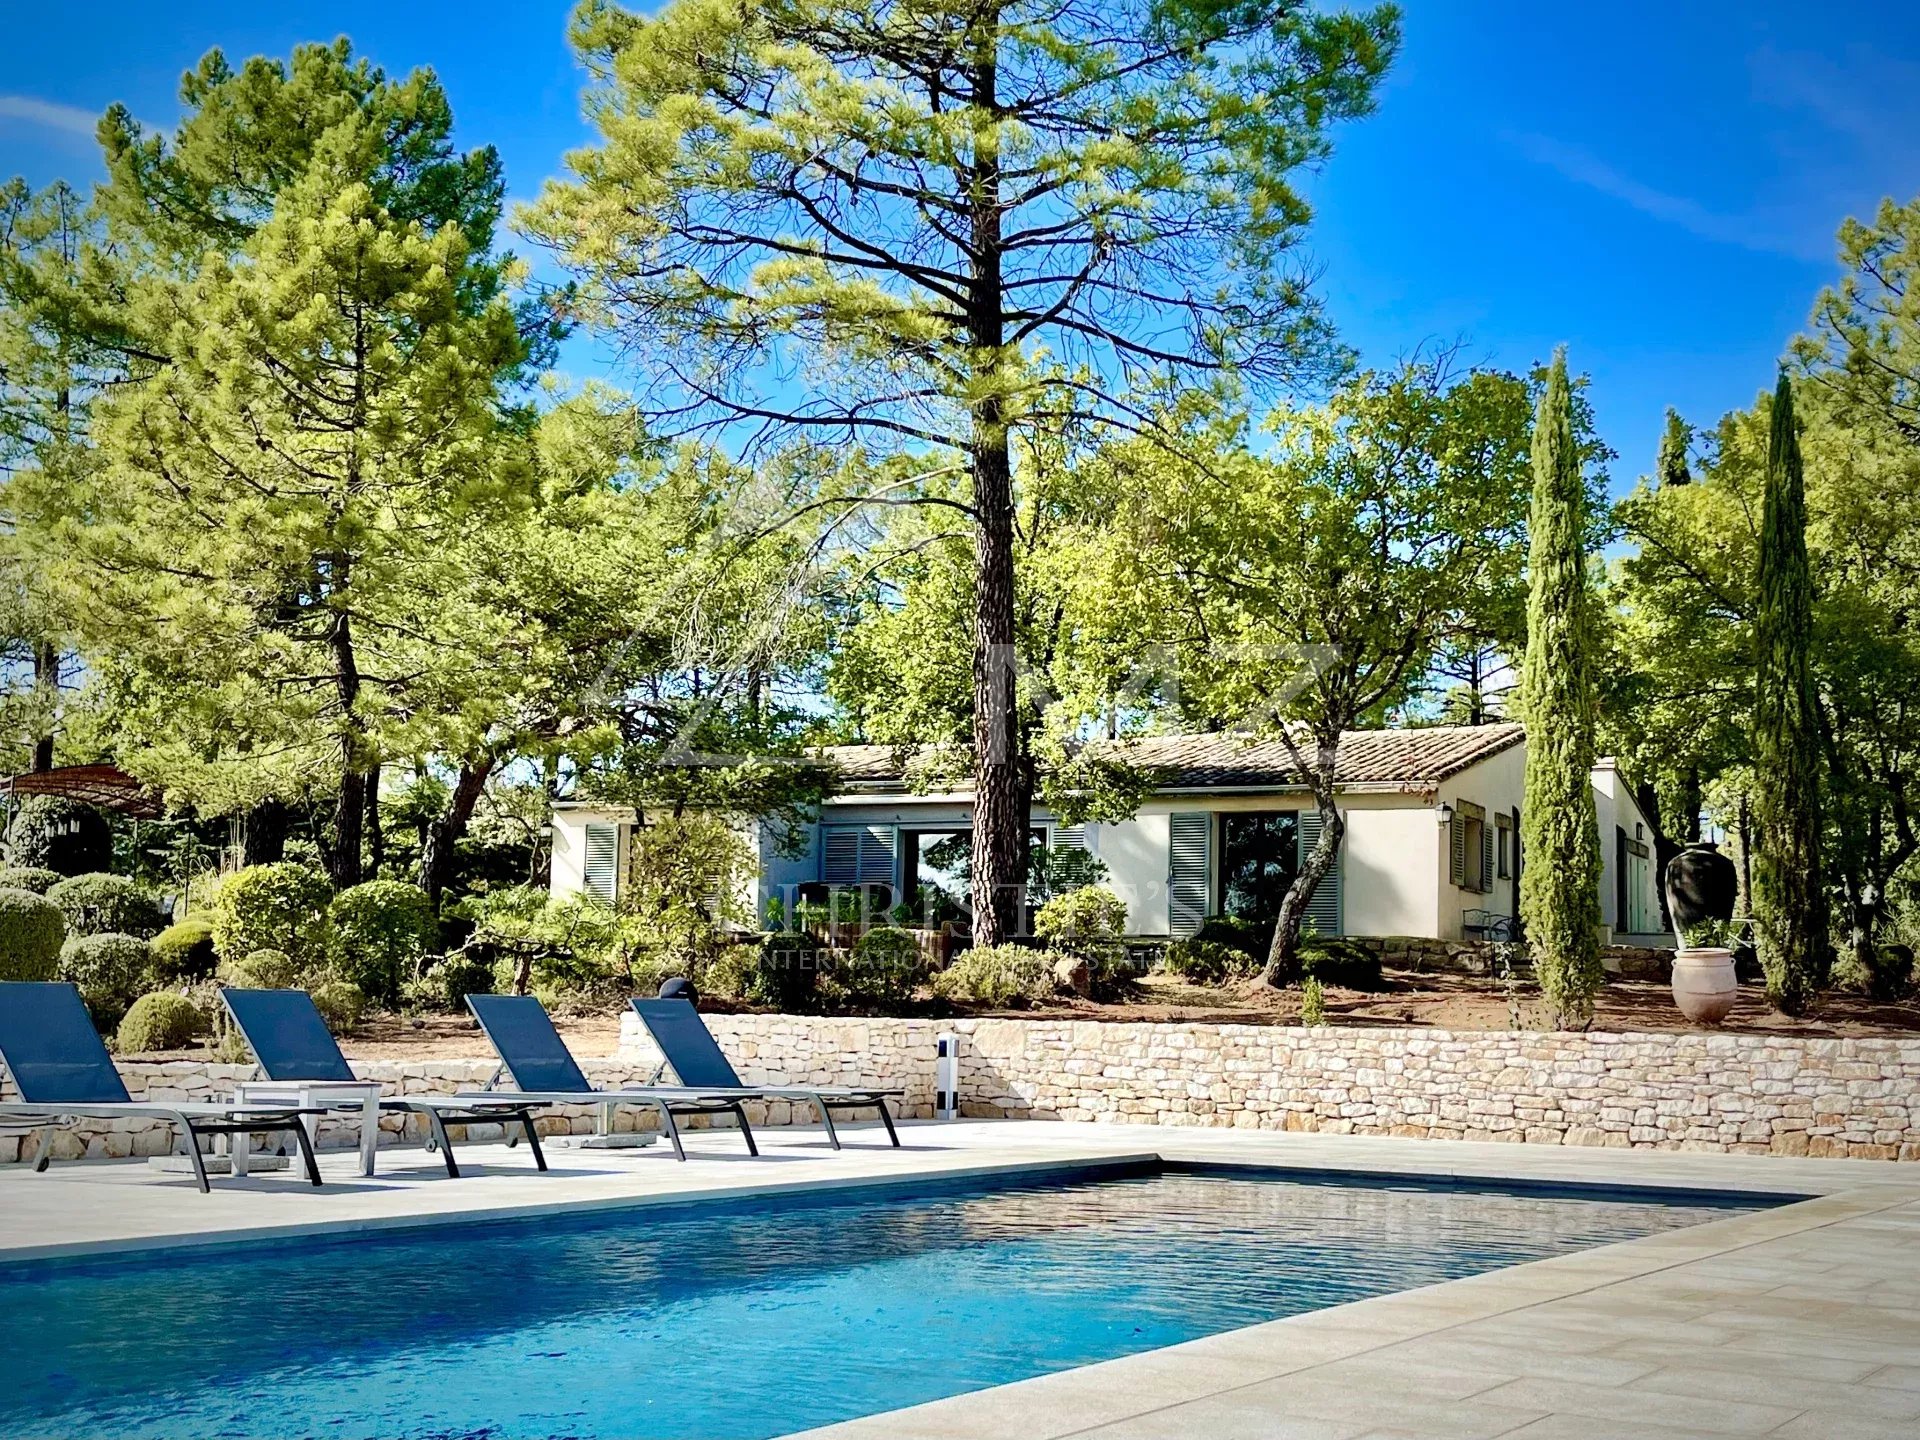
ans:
(378, 933)
(884, 967)
(997, 975)
(184, 950)
(1208, 962)
(281, 907)
(262, 970)
(1090, 915)
(340, 1004)
(32, 929)
(111, 970)
(103, 904)
(30, 878)
(53, 833)
(162, 1020)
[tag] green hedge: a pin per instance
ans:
(52, 833)
(1341, 963)
(1010, 975)
(111, 971)
(787, 971)
(102, 904)
(378, 933)
(184, 950)
(281, 907)
(32, 929)
(162, 1020)
(30, 878)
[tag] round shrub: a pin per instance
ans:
(457, 976)
(997, 975)
(787, 970)
(730, 974)
(184, 950)
(32, 930)
(29, 878)
(262, 970)
(378, 933)
(1208, 962)
(1341, 963)
(102, 904)
(340, 1004)
(54, 833)
(1250, 937)
(163, 1020)
(1092, 914)
(111, 970)
(281, 907)
(885, 965)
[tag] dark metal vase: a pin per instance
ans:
(1702, 884)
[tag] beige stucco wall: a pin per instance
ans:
(1498, 785)
(567, 876)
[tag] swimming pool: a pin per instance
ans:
(741, 1318)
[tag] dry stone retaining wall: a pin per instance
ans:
(1669, 1091)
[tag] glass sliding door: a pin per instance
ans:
(1259, 856)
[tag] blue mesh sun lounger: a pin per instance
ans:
(698, 1060)
(292, 1043)
(543, 1069)
(63, 1072)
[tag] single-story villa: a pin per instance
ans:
(1431, 849)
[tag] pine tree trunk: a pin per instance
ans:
(446, 831)
(1000, 817)
(1283, 954)
(1789, 891)
(46, 680)
(350, 802)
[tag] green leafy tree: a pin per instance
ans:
(1789, 892)
(1560, 883)
(944, 222)
(1306, 591)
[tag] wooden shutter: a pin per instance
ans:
(1486, 858)
(876, 855)
(1068, 837)
(602, 868)
(840, 854)
(1323, 906)
(1189, 860)
(1457, 847)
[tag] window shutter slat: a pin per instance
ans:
(1457, 842)
(840, 855)
(1486, 858)
(1069, 837)
(876, 855)
(1189, 854)
(1323, 906)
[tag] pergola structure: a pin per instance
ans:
(106, 787)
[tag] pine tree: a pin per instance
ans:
(1560, 882)
(1671, 467)
(1789, 899)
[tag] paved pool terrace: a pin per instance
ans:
(1798, 1321)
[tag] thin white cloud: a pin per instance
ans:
(50, 113)
(1583, 168)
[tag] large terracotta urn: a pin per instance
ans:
(1704, 986)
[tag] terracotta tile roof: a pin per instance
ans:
(1414, 757)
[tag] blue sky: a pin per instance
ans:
(1656, 186)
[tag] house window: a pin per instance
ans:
(1259, 856)
(1503, 850)
(1472, 846)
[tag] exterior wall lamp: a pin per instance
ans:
(1443, 813)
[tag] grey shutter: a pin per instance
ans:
(876, 855)
(1069, 837)
(1486, 858)
(840, 854)
(601, 869)
(1189, 856)
(1457, 844)
(1323, 908)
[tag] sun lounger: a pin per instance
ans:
(697, 1060)
(63, 1072)
(543, 1070)
(292, 1043)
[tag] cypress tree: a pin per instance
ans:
(1789, 900)
(1560, 882)
(1672, 463)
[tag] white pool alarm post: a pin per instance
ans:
(946, 1078)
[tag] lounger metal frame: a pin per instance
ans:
(190, 1122)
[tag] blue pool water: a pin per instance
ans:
(746, 1318)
